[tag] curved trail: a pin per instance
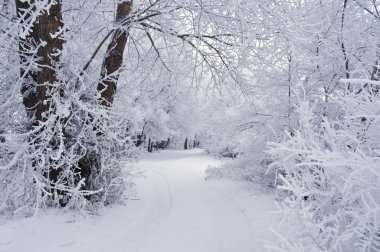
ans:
(198, 218)
(176, 211)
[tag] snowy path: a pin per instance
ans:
(177, 211)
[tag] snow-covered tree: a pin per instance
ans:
(313, 95)
(328, 172)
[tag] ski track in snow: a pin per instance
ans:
(176, 211)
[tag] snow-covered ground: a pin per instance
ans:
(176, 211)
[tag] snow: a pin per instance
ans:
(176, 210)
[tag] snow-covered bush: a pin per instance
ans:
(73, 159)
(250, 162)
(243, 132)
(329, 175)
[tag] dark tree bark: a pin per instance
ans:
(49, 24)
(36, 85)
(149, 146)
(185, 144)
(29, 85)
(114, 56)
(89, 165)
(39, 83)
(344, 51)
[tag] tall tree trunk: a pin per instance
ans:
(343, 46)
(185, 144)
(114, 56)
(37, 83)
(90, 164)
(49, 26)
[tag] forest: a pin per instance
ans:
(190, 125)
